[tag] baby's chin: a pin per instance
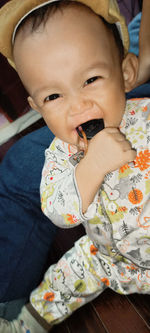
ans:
(77, 142)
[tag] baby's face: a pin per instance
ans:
(72, 72)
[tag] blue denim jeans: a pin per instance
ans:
(10, 310)
(25, 233)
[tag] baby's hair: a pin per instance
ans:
(40, 16)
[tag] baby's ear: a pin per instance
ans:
(32, 103)
(130, 71)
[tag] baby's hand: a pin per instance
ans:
(109, 150)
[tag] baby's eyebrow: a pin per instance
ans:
(41, 90)
(98, 64)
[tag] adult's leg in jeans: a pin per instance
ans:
(25, 233)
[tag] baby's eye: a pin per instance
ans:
(51, 97)
(91, 80)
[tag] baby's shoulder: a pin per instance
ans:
(139, 108)
(60, 147)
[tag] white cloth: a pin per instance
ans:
(115, 253)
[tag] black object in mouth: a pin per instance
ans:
(91, 128)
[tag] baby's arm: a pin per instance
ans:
(107, 151)
(67, 192)
(60, 197)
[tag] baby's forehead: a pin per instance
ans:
(37, 20)
(76, 18)
(75, 21)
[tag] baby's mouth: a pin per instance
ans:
(91, 128)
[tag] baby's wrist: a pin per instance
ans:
(95, 168)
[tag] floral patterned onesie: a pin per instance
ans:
(115, 252)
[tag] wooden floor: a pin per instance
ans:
(110, 312)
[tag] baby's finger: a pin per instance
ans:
(112, 130)
(131, 155)
(120, 137)
(125, 145)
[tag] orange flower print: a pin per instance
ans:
(71, 219)
(142, 160)
(135, 196)
(105, 281)
(132, 268)
(49, 296)
(144, 108)
(147, 176)
(122, 209)
(93, 249)
(124, 168)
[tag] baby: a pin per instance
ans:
(76, 70)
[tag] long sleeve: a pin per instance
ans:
(59, 193)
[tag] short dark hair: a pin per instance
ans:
(41, 15)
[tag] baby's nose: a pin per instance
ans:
(81, 106)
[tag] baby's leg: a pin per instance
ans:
(78, 277)
(75, 280)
